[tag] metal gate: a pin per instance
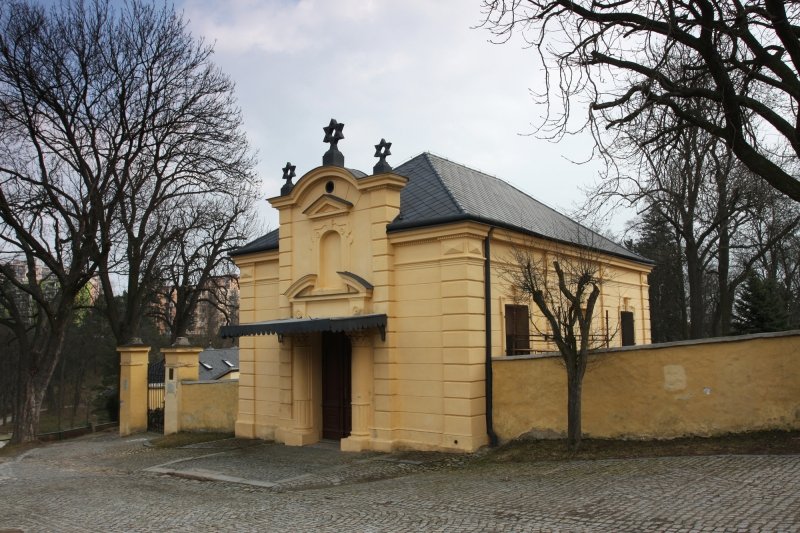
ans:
(155, 396)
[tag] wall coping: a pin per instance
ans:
(691, 342)
(209, 381)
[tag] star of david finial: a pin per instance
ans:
(288, 174)
(381, 152)
(333, 134)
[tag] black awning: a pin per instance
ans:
(289, 326)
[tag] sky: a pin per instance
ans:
(419, 73)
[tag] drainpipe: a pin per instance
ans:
(487, 307)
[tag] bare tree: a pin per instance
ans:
(764, 229)
(694, 186)
(198, 272)
(565, 285)
(192, 176)
(634, 59)
(775, 230)
(110, 119)
(57, 182)
(693, 183)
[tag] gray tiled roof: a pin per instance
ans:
(262, 244)
(357, 173)
(440, 191)
(215, 358)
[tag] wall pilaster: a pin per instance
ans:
(302, 431)
(361, 391)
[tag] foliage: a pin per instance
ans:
(666, 281)
(761, 307)
(88, 357)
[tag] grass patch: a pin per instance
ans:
(754, 443)
(49, 421)
(177, 440)
(13, 450)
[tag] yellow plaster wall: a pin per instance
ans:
(209, 405)
(624, 288)
(437, 395)
(659, 391)
(359, 214)
(428, 388)
(259, 357)
(133, 389)
(356, 211)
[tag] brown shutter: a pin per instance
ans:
(518, 338)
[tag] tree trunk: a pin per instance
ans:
(61, 383)
(726, 299)
(76, 394)
(694, 274)
(574, 384)
(27, 409)
(36, 370)
(722, 318)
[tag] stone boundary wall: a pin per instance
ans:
(209, 405)
(704, 387)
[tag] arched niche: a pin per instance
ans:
(330, 261)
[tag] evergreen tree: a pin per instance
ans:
(761, 307)
(667, 287)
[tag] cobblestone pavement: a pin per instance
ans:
(104, 483)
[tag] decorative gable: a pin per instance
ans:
(327, 205)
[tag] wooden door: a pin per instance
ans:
(626, 324)
(336, 410)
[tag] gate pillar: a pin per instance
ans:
(133, 387)
(181, 362)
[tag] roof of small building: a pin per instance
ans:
(217, 362)
(214, 364)
(262, 244)
(440, 191)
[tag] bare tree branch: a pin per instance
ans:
(633, 57)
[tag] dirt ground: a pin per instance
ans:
(753, 443)
(533, 450)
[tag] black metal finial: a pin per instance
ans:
(333, 134)
(381, 152)
(288, 174)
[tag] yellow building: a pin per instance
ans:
(366, 316)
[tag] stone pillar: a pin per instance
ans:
(133, 387)
(182, 362)
(302, 431)
(361, 392)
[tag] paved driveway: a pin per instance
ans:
(104, 483)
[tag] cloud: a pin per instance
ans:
(275, 26)
(413, 71)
